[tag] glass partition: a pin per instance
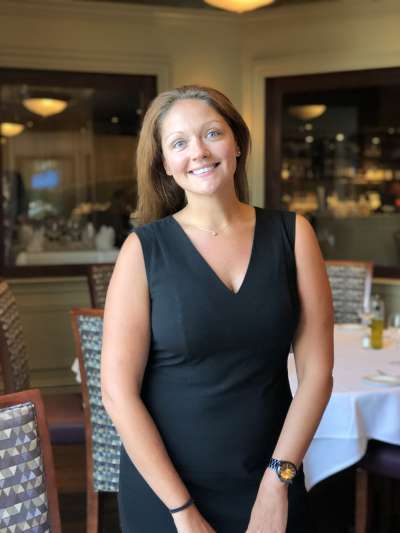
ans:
(339, 162)
(68, 146)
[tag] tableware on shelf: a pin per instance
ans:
(105, 238)
(37, 242)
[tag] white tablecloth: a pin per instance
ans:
(358, 409)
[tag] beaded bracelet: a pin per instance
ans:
(182, 507)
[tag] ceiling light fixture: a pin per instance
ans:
(11, 129)
(239, 6)
(307, 112)
(45, 107)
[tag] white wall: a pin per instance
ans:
(186, 45)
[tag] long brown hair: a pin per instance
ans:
(158, 194)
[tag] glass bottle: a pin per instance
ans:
(377, 322)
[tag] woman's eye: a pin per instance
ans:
(178, 144)
(213, 133)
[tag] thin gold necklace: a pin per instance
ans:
(213, 232)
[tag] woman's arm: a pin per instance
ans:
(126, 340)
(313, 351)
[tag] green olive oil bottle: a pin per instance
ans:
(377, 322)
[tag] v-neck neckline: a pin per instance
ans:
(208, 266)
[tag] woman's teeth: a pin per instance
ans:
(203, 170)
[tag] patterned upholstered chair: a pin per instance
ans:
(28, 495)
(98, 278)
(351, 288)
(64, 411)
(102, 441)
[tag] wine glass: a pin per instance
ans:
(394, 328)
(394, 333)
(365, 314)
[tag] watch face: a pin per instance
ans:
(287, 471)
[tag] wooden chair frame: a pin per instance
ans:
(93, 504)
(368, 265)
(367, 472)
(34, 396)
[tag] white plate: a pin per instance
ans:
(383, 379)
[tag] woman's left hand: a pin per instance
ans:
(270, 510)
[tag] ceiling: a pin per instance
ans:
(199, 4)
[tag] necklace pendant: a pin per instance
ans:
(214, 233)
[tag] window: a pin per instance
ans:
(68, 146)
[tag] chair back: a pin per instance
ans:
(28, 494)
(13, 353)
(351, 288)
(102, 441)
(99, 276)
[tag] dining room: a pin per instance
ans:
(318, 84)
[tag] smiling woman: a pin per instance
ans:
(206, 298)
(158, 194)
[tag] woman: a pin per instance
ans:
(206, 298)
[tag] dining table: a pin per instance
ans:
(364, 405)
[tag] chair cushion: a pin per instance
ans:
(382, 459)
(106, 444)
(23, 492)
(64, 413)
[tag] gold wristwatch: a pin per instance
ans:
(285, 470)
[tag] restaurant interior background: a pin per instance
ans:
(317, 81)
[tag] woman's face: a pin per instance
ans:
(199, 148)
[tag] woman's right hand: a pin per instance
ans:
(191, 521)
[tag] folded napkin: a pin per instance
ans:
(383, 379)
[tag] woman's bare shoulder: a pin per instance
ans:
(130, 271)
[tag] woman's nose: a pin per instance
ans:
(199, 150)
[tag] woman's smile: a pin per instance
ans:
(205, 170)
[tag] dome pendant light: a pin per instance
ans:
(307, 112)
(239, 6)
(11, 129)
(45, 107)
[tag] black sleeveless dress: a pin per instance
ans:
(216, 381)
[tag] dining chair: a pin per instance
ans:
(381, 460)
(350, 283)
(102, 440)
(99, 276)
(28, 494)
(64, 412)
